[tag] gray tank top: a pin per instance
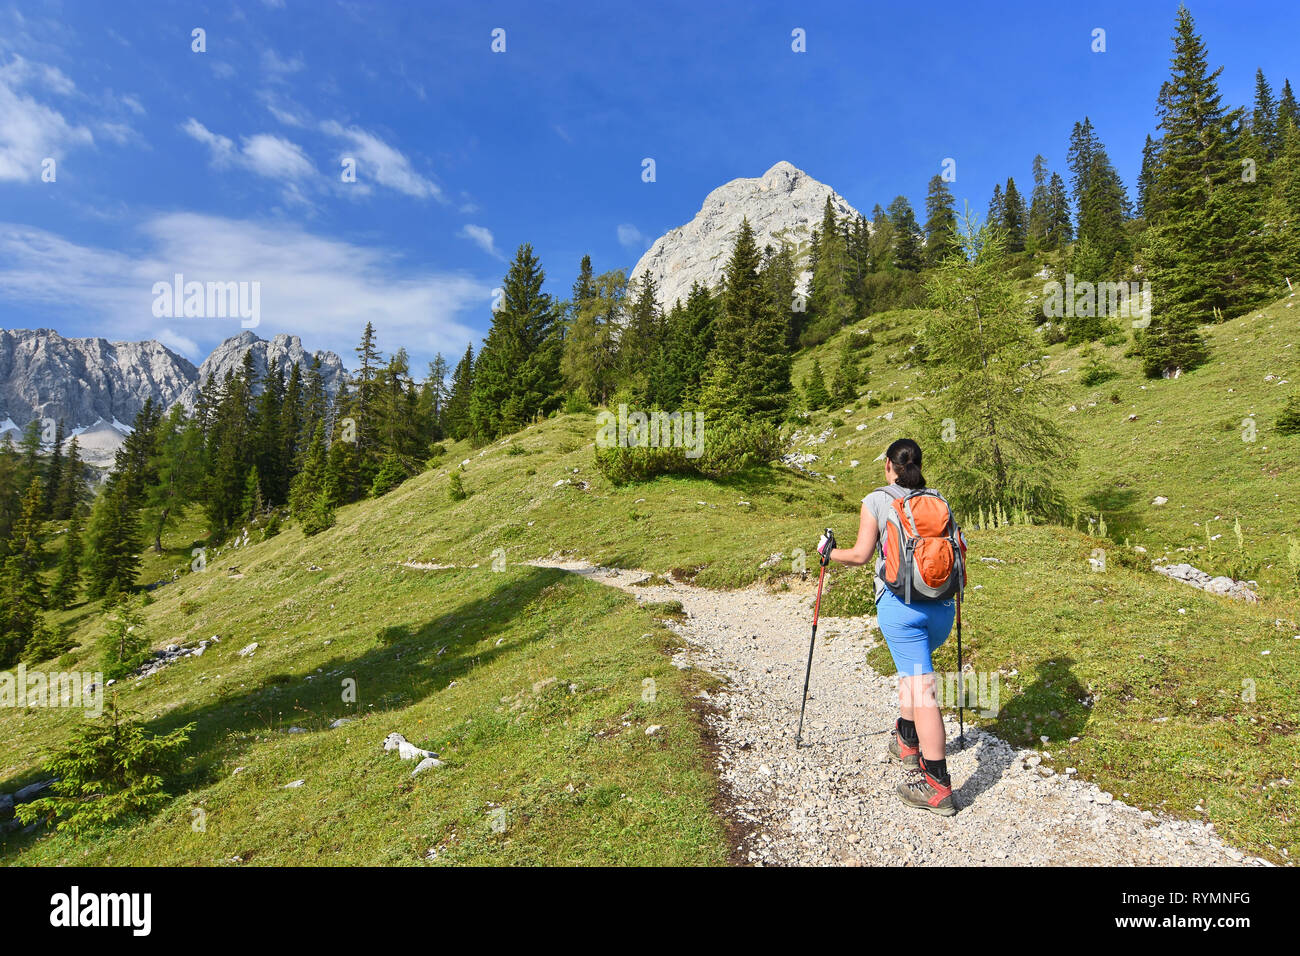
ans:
(881, 504)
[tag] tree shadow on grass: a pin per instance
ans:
(1118, 507)
(1050, 706)
(411, 662)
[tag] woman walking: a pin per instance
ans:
(929, 574)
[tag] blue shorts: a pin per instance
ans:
(914, 631)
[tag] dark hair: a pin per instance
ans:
(905, 456)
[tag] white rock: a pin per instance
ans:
(248, 650)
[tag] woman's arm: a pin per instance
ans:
(864, 547)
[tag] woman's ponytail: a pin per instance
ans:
(905, 456)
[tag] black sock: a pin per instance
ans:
(907, 732)
(937, 769)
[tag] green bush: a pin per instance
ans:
(1288, 423)
(318, 517)
(456, 489)
(391, 474)
(110, 769)
(728, 447)
(1096, 371)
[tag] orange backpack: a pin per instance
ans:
(923, 548)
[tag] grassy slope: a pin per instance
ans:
(1043, 614)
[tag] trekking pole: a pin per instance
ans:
(961, 684)
(816, 609)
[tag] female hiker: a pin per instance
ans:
(915, 607)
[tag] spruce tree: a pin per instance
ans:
(1015, 218)
(517, 375)
(456, 415)
(1194, 250)
(1059, 229)
(67, 575)
(814, 388)
(907, 235)
(113, 548)
(588, 361)
(830, 300)
(940, 221)
(24, 599)
(1039, 204)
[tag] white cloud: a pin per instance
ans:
(31, 131)
(264, 153)
(481, 236)
(276, 157)
(630, 237)
(381, 163)
(273, 63)
(178, 343)
(321, 288)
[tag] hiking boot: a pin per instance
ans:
(903, 752)
(926, 793)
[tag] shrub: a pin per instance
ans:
(1096, 371)
(1288, 423)
(272, 527)
(728, 448)
(456, 489)
(110, 769)
(318, 517)
(391, 474)
(576, 403)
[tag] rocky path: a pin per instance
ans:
(832, 801)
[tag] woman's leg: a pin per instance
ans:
(929, 724)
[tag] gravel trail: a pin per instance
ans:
(832, 801)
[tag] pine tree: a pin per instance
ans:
(1059, 228)
(179, 466)
(20, 580)
(588, 362)
(1079, 158)
(688, 342)
(71, 485)
(368, 359)
(1287, 110)
(517, 375)
(997, 208)
(844, 387)
(1039, 206)
(113, 548)
(456, 415)
(1194, 250)
(1147, 177)
(54, 473)
(830, 300)
(940, 221)
(748, 379)
(814, 388)
(1263, 121)
(640, 337)
(907, 235)
(1015, 218)
(67, 576)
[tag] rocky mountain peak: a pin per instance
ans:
(785, 204)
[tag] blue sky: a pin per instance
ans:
(225, 165)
